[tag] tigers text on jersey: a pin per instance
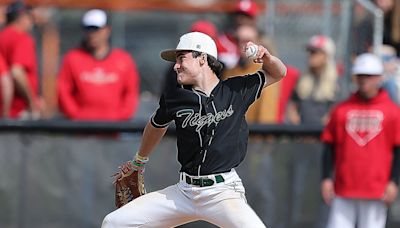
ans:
(363, 134)
(211, 130)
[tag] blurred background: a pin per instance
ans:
(55, 170)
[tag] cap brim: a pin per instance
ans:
(91, 27)
(313, 48)
(169, 55)
(358, 73)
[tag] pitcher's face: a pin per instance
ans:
(187, 68)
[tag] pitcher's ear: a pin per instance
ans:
(203, 58)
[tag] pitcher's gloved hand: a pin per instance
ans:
(129, 181)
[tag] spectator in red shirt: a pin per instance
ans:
(17, 47)
(6, 88)
(96, 81)
(361, 158)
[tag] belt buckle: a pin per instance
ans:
(201, 182)
(206, 182)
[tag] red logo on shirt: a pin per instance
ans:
(364, 125)
(98, 76)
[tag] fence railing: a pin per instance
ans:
(67, 126)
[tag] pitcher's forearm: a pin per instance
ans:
(151, 138)
(7, 90)
(274, 67)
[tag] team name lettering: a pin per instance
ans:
(195, 119)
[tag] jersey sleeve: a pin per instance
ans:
(250, 86)
(160, 117)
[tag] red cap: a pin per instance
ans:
(247, 7)
(323, 43)
(205, 27)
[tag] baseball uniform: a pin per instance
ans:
(210, 146)
(212, 135)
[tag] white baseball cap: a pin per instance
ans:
(367, 64)
(94, 18)
(193, 41)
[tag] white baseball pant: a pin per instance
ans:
(222, 204)
(346, 213)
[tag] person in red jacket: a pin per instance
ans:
(362, 147)
(96, 81)
(6, 88)
(17, 46)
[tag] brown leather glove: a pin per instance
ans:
(129, 183)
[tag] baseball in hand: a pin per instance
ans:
(251, 51)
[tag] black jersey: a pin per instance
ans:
(212, 132)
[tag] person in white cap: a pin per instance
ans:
(96, 81)
(212, 135)
(361, 158)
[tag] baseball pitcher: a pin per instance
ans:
(212, 137)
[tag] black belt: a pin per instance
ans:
(204, 181)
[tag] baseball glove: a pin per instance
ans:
(129, 184)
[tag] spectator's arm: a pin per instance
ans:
(327, 186)
(392, 189)
(66, 92)
(395, 171)
(22, 86)
(130, 99)
(327, 161)
(292, 112)
(7, 90)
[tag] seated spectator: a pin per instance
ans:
(96, 81)
(317, 89)
(17, 46)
